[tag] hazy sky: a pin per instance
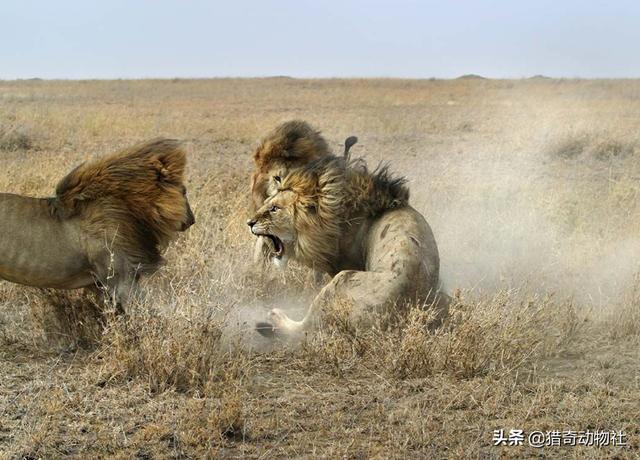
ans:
(300, 38)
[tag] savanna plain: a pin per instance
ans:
(532, 188)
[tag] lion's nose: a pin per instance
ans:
(251, 222)
(191, 220)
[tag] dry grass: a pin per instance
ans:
(16, 138)
(531, 188)
(603, 147)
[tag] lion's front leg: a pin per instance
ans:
(116, 292)
(279, 324)
(117, 282)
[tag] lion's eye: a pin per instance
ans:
(274, 208)
(278, 179)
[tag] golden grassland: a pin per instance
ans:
(531, 187)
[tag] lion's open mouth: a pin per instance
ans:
(278, 247)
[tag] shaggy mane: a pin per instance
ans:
(372, 193)
(133, 197)
(333, 193)
(294, 142)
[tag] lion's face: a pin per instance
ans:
(266, 183)
(275, 221)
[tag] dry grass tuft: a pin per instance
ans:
(70, 319)
(493, 336)
(207, 423)
(177, 353)
(624, 322)
(184, 354)
(16, 137)
(570, 147)
(603, 147)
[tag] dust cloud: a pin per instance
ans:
(534, 222)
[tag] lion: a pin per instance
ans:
(336, 216)
(289, 145)
(108, 223)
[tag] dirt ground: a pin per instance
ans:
(532, 188)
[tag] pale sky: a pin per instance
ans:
(301, 38)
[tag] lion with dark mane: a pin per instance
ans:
(107, 224)
(336, 216)
(289, 145)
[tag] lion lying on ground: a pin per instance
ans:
(290, 145)
(357, 226)
(107, 224)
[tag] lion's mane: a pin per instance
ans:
(133, 198)
(290, 144)
(334, 195)
(294, 142)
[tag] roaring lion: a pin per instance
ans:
(107, 224)
(337, 217)
(289, 145)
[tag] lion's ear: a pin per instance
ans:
(161, 171)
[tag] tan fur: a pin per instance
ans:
(109, 221)
(358, 227)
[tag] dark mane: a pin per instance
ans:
(133, 197)
(350, 184)
(294, 142)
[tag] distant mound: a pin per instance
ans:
(539, 77)
(471, 76)
(279, 77)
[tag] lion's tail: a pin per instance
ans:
(348, 143)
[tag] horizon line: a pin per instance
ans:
(469, 76)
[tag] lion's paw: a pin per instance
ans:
(279, 319)
(279, 324)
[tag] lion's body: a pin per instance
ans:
(108, 222)
(38, 250)
(358, 227)
(392, 261)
